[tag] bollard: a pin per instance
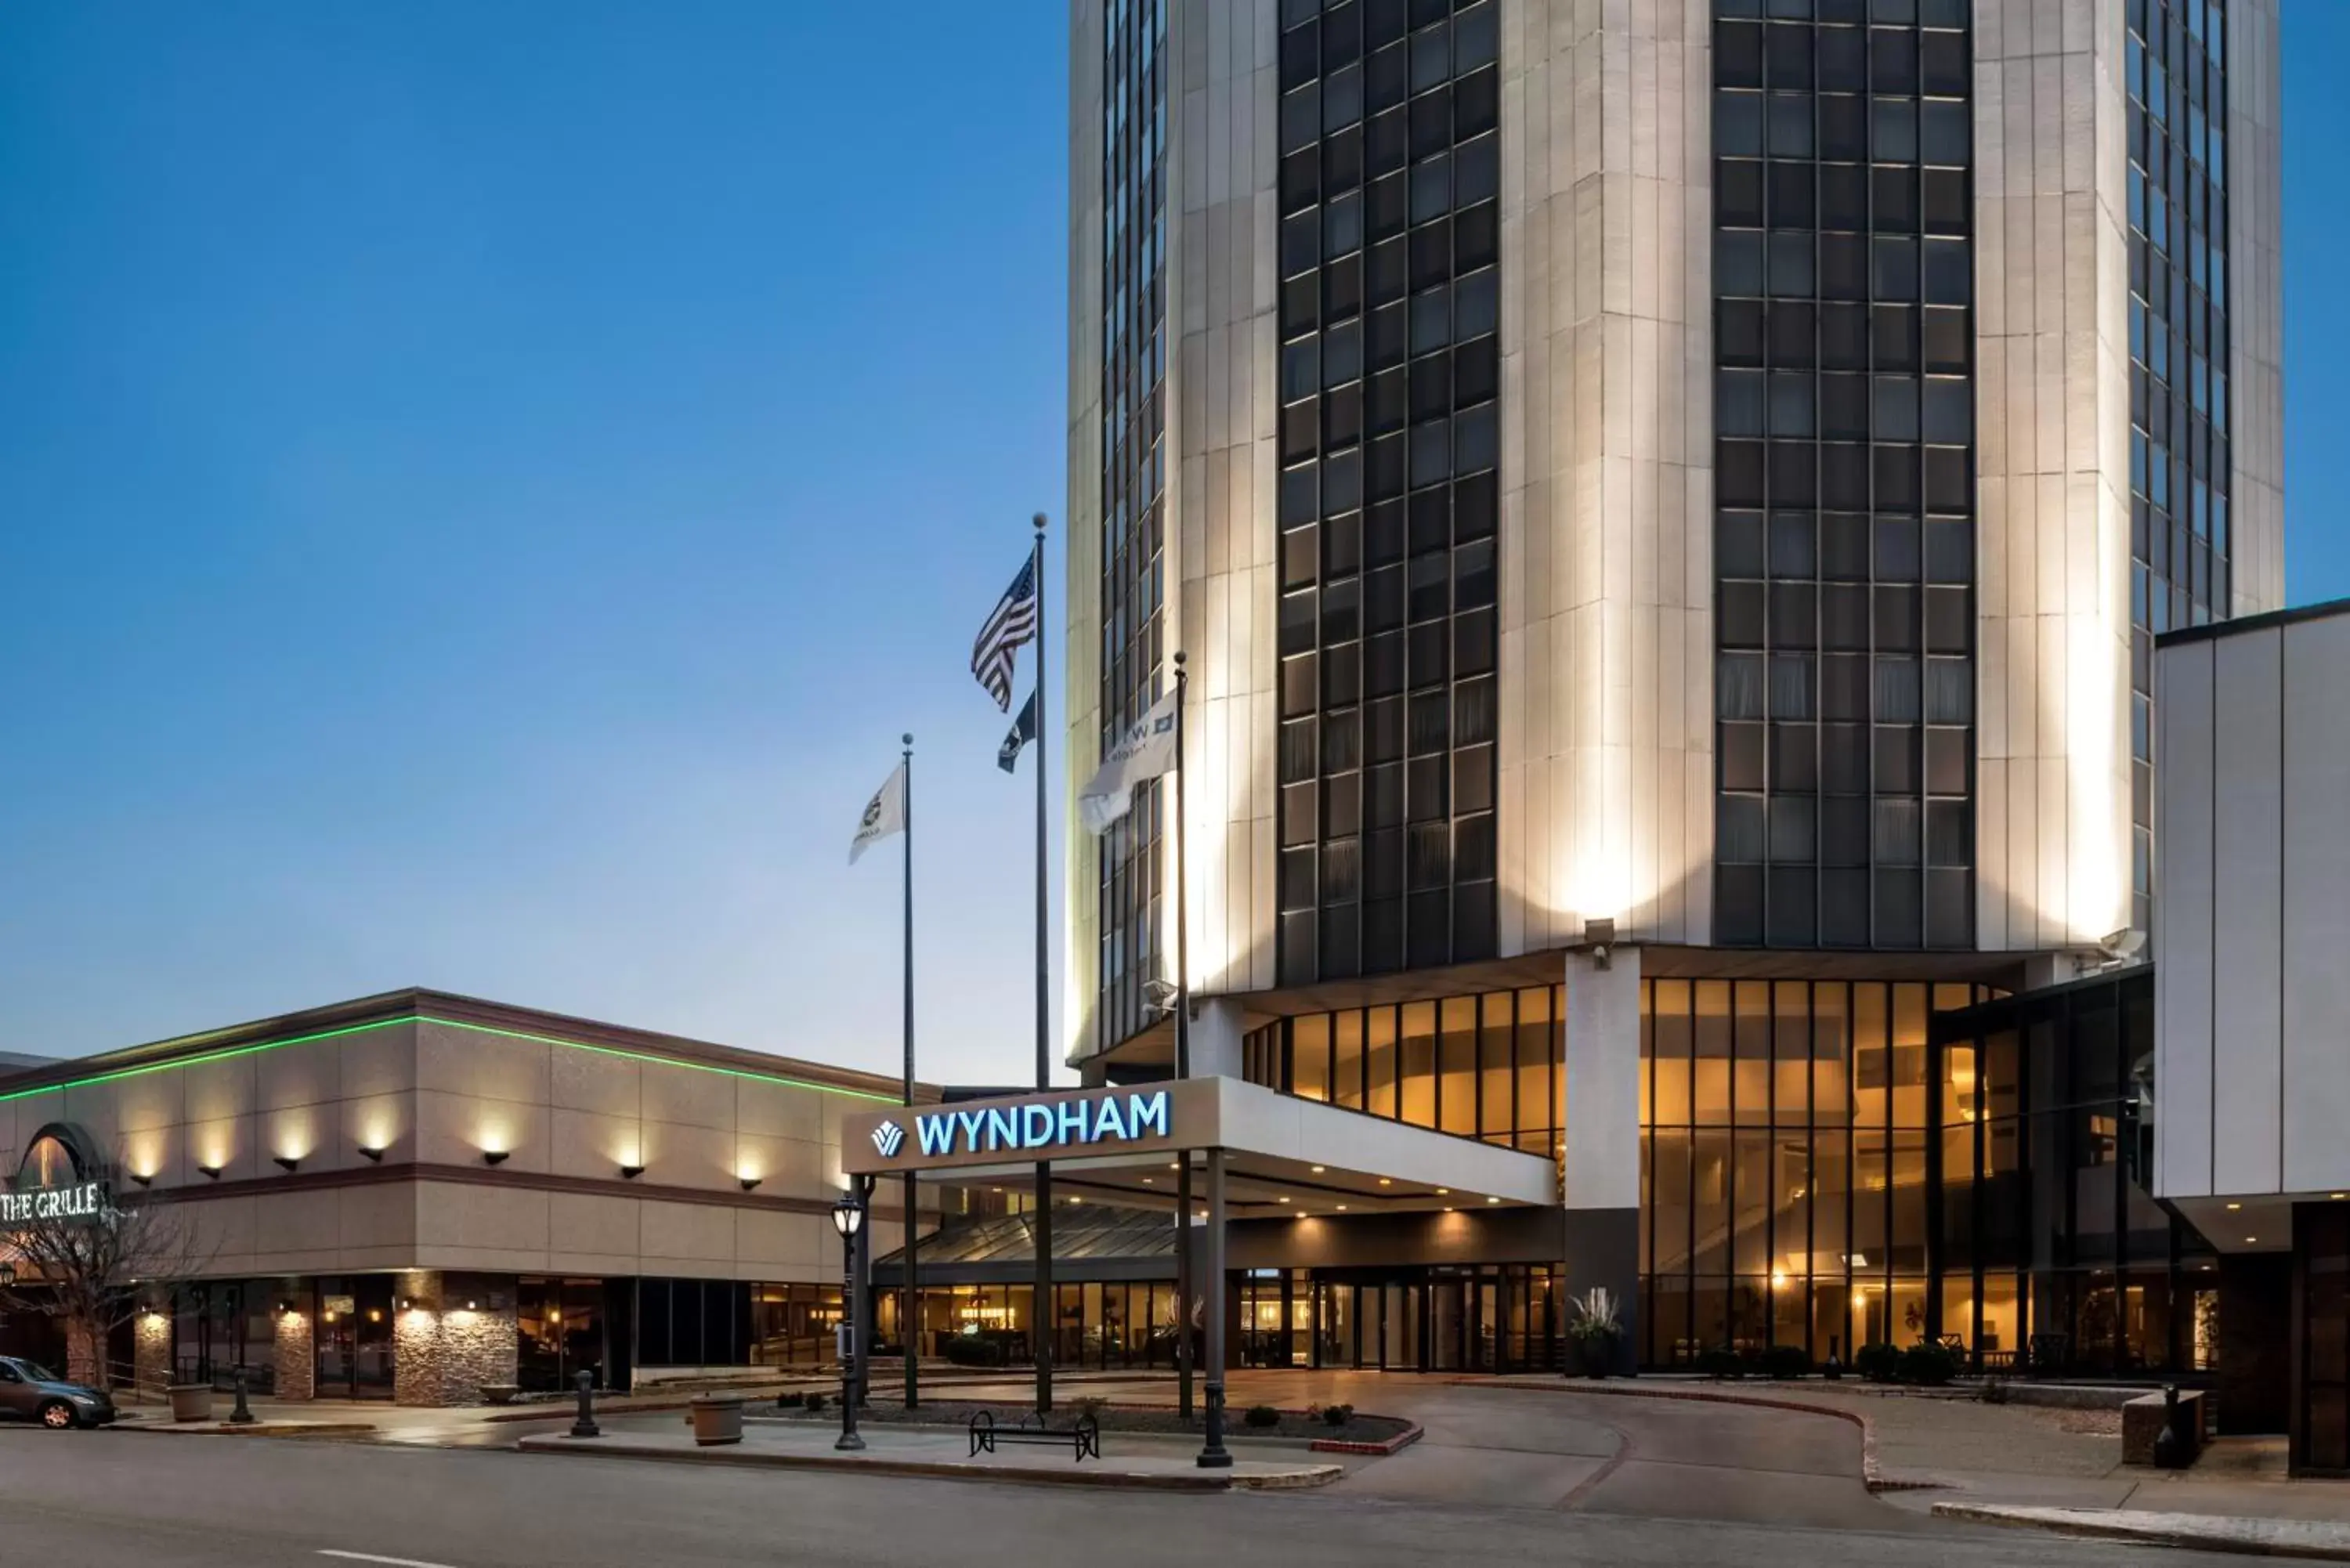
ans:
(2170, 1449)
(584, 1426)
(242, 1415)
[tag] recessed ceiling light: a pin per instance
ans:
(1342, 1208)
(1174, 1164)
(2338, 1197)
(2233, 1207)
(1493, 1200)
(1448, 1209)
(2251, 1240)
(1320, 1168)
(1386, 1182)
(1149, 1181)
(1444, 1192)
(1077, 1200)
(1285, 1200)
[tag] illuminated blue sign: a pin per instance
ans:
(1004, 1129)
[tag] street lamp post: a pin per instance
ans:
(849, 1219)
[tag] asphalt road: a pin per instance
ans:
(116, 1500)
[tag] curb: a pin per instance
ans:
(944, 1470)
(1871, 1475)
(1400, 1441)
(2241, 1537)
(256, 1429)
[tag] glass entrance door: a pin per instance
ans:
(353, 1337)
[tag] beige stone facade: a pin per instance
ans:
(457, 1147)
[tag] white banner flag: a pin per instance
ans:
(1146, 751)
(885, 814)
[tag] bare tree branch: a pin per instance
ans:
(93, 1275)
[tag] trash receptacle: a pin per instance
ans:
(717, 1419)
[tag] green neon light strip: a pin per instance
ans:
(447, 1023)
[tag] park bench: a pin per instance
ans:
(1083, 1436)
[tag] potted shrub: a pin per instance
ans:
(1261, 1416)
(191, 1401)
(1594, 1326)
(717, 1419)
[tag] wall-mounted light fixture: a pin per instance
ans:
(285, 1309)
(472, 1305)
(371, 1154)
(407, 1303)
(631, 1172)
(211, 1170)
(496, 1156)
(284, 1161)
(751, 1183)
(143, 1181)
(1599, 941)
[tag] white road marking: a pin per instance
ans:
(371, 1557)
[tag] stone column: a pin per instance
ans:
(454, 1337)
(1601, 1166)
(298, 1359)
(152, 1351)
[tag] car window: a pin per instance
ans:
(36, 1373)
(8, 1374)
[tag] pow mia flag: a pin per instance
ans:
(1024, 729)
(885, 814)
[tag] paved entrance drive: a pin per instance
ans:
(1498, 1447)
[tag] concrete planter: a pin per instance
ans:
(499, 1392)
(191, 1401)
(717, 1419)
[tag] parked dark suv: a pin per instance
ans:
(31, 1392)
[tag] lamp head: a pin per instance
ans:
(848, 1217)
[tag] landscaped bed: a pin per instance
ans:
(1288, 1425)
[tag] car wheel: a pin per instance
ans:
(58, 1416)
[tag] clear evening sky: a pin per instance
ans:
(483, 486)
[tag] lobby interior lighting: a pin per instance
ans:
(496, 1156)
(631, 1172)
(371, 1153)
(212, 1171)
(286, 1161)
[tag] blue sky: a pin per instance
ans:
(483, 488)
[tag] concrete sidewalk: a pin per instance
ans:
(1148, 1462)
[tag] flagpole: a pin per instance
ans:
(1044, 1315)
(909, 1311)
(1183, 1357)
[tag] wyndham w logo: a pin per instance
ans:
(887, 1139)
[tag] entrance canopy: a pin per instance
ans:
(1284, 1156)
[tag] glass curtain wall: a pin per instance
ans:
(2049, 1250)
(1844, 417)
(1485, 1066)
(1388, 497)
(2174, 69)
(1133, 480)
(1787, 1130)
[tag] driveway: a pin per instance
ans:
(1589, 1453)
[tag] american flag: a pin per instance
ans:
(1012, 623)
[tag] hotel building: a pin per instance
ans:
(1667, 506)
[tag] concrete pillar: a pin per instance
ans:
(1216, 1038)
(1601, 1166)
